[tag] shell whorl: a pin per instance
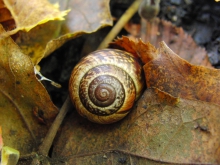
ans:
(104, 85)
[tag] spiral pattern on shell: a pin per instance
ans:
(104, 85)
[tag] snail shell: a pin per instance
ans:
(105, 84)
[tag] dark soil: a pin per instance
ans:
(199, 18)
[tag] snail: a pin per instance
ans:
(105, 84)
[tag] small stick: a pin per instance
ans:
(48, 140)
(120, 24)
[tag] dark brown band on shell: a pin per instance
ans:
(104, 85)
(105, 94)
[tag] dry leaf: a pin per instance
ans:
(160, 129)
(84, 17)
(1, 140)
(20, 15)
(28, 15)
(180, 42)
(133, 29)
(23, 98)
(137, 49)
(6, 18)
(34, 42)
(168, 72)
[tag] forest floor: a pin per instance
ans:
(198, 18)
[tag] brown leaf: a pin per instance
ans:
(160, 129)
(133, 29)
(179, 78)
(6, 18)
(87, 15)
(168, 72)
(28, 15)
(1, 140)
(157, 30)
(84, 17)
(136, 48)
(125, 44)
(37, 41)
(20, 15)
(23, 98)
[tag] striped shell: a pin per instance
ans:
(105, 84)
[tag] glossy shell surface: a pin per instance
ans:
(105, 84)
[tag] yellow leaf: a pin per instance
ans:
(47, 29)
(24, 101)
(29, 14)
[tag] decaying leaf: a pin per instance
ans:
(179, 125)
(180, 42)
(84, 17)
(28, 15)
(41, 40)
(9, 156)
(6, 18)
(138, 49)
(1, 140)
(161, 128)
(22, 16)
(168, 72)
(34, 42)
(22, 98)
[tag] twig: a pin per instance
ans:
(48, 140)
(120, 24)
